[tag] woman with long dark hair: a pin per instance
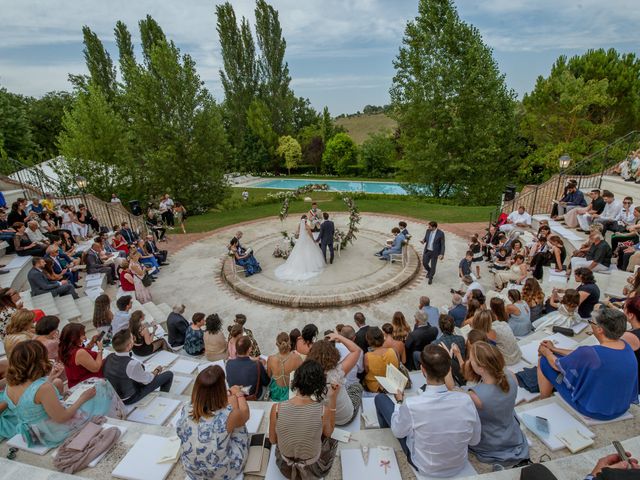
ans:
(80, 362)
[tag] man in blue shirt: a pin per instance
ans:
(433, 314)
(572, 198)
(246, 372)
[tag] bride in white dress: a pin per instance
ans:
(305, 260)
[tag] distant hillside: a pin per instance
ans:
(360, 126)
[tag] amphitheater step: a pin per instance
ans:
(620, 188)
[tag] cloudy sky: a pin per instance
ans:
(339, 52)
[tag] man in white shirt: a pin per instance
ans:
(121, 318)
(436, 427)
(115, 199)
(519, 218)
(611, 210)
(34, 233)
(166, 209)
(471, 285)
(624, 218)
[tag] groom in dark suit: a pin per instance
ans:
(327, 229)
(433, 249)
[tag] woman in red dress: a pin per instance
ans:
(80, 362)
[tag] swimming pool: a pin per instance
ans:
(389, 188)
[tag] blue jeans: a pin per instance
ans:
(384, 410)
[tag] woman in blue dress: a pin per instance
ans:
(600, 382)
(244, 259)
(147, 259)
(35, 403)
(215, 441)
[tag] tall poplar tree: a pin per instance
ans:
(102, 72)
(455, 114)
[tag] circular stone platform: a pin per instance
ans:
(356, 276)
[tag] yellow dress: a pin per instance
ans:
(377, 366)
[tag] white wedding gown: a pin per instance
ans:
(305, 260)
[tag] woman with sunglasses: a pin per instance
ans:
(601, 381)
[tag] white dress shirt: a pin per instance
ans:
(626, 217)
(611, 210)
(472, 286)
(432, 238)
(439, 426)
(136, 371)
(120, 321)
(515, 218)
(352, 376)
(36, 236)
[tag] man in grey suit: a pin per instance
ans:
(325, 238)
(433, 249)
(40, 284)
(96, 265)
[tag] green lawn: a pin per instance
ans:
(409, 207)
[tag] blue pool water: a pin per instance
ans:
(390, 188)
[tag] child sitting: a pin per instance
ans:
(501, 259)
(128, 376)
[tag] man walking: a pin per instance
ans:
(433, 249)
(327, 230)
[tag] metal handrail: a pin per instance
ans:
(33, 178)
(537, 198)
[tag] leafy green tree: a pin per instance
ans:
(16, 138)
(304, 115)
(455, 114)
(378, 155)
(310, 140)
(101, 70)
(274, 70)
(45, 120)
(240, 75)
(94, 141)
(564, 114)
(340, 154)
(259, 120)
(327, 126)
(289, 149)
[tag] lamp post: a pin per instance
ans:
(564, 161)
(81, 182)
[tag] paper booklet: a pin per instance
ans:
(75, 395)
(574, 440)
(258, 458)
(170, 451)
(393, 381)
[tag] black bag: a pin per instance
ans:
(147, 280)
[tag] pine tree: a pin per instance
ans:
(456, 115)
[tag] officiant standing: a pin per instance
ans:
(327, 231)
(433, 249)
(315, 220)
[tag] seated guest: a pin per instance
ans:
(306, 452)
(80, 362)
(457, 310)
(120, 244)
(498, 332)
(138, 272)
(390, 342)
(348, 398)
(241, 320)
(194, 336)
(103, 316)
(471, 285)
(23, 246)
(572, 198)
(215, 345)
(588, 290)
(306, 339)
(598, 258)
(630, 232)
(516, 273)
(280, 366)
(144, 343)
(494, 395)
(595, 207)
(361, 331)
(235, 332)
(422, 422)
(128, 376)
(632, 337)
(85, 216)
(246, 260)
(473, 306)
(422, 335)
(70, 222)
(68, 273)
(95, 264)
(620, 222)
(403, 229)
(461, 369)
(448, 337)
(534, 296)
(19, 329)
(152, 248)
(10, 302)
(123, 314)
(352, 376)
(212, 431)
(154, 223)
(35, 235)
(625, 256)
(519, 314)
(35, 206)
(586, 377)
(400, 326)
(610, 211)
(395, 247)
(246, 372)
(17, 212)
(47, 333)
(433, 314)
(42, 418)
(517, 219)
(565, 312)
(376, 361)
(127, 233)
